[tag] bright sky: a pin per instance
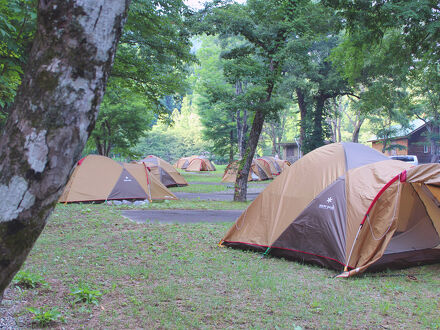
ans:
(194, 4)
(198, 4)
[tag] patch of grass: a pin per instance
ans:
(199, 188)
(175, 276)
(46, 315)
(208, 176)
(83, 294)
(28, 280)
(194, 204)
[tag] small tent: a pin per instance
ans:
(283, 164)
(164, 171)
(348, 207)
(230, 174)
(99, 178)
(183, 162)
(195, 164)
(262, 169)
(275, 169)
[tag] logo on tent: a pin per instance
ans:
(127, 179)
(330, 206)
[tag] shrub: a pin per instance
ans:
(85, 294)
(29, 280)
(45, 315)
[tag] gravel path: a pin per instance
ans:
(7, 309)
(217, 196)
(182, 216)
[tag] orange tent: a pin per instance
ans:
(195, 164)
(230, 174)
(273, 163)
(164, 171)
(99, 178)
(348, 207)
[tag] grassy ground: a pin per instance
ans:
(200, 188)
(209, 176)
(175, 276)
(193, 204)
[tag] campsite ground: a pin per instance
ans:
(156, 275)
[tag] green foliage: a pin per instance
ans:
(212, 97)
(123, 119)
(83, 294)
(417, 22)
(183, 138)
(46, 315)
(17, 27)
(149, 71)
(154, 50)
(28, 280)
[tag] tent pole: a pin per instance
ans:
(148, 183)
(352, 247)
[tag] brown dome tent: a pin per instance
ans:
(275, 168)
(283, 164)
(346, 206)
(230, 174)
(195, 164)
(183, 162)
(262, 169)
(99, 178)
(164, 171)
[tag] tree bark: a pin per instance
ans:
(357, 129)
(317, 122)
(52, 117)
(246, 162)
(302, 113)
(231, 146)
(242, 126)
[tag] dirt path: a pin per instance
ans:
(215, 196)
(182, 216)
(227, 195)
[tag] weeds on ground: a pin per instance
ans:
(83, 294)
(200, 188)
(28, 280)
(45, 316)
(174, 276)
(193, 204)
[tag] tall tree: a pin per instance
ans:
(425, 87)
(52, 117)
(150, 64)
(262, 25)
(311, 75)
(17, 28)
(213, 96)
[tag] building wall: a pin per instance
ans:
(377, 145)
(417, 147)
(290, 152)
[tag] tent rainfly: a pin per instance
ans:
(348, 207)
(273, 165)
(230, 174)
(195, 164)
(259, 171)
(99, 178)
(164, 171)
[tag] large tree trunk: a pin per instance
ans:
(434, 133)
(54, 112)
(318, 134)
(357, 129)
(231, 146)
(302, 114)
(246, 162)
(242, 126)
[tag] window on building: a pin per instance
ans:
(425, 149)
